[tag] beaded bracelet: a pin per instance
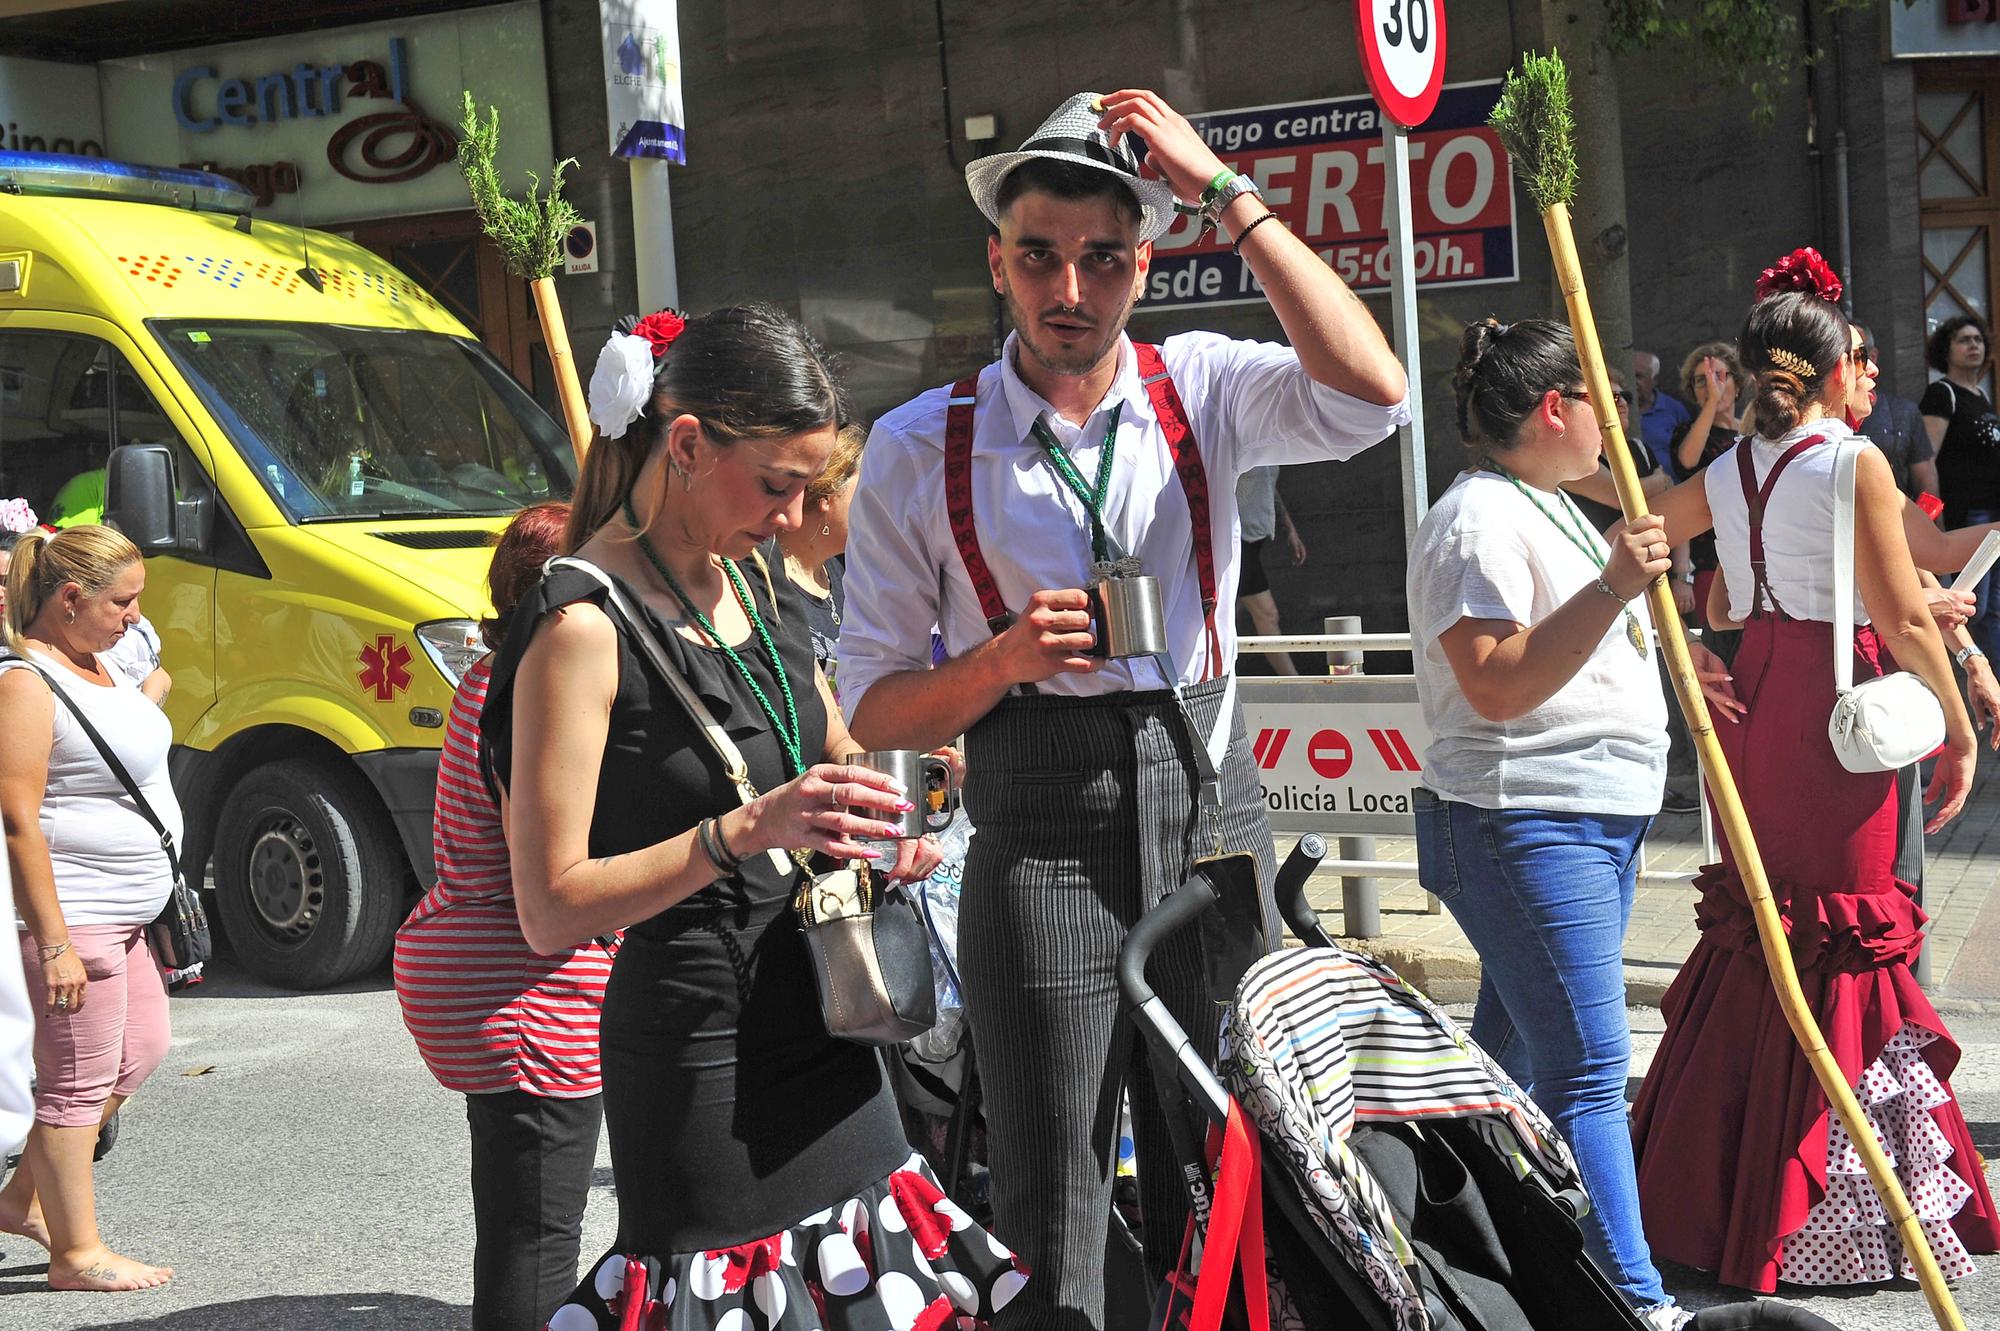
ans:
(1236, 246)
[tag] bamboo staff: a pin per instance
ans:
(530, 235)
(1534, 121)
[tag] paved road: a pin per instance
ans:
(297, 1165)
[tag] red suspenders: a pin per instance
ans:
(1172, 416)
(1755, 500)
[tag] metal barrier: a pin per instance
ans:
(1338, 754)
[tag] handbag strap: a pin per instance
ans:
(104, 751)
(1845, 459)
(733, 765)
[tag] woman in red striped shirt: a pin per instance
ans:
(514, 1032)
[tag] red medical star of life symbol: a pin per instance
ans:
(385, 667)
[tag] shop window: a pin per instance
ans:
(65, 402)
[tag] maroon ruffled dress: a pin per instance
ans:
(1743, 1169)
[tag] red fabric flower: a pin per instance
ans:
(660, 329)
(1801, 270)
(918, 1199)
(937, 1317)
(746, 1261)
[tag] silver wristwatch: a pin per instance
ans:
(1235, 189)
(1966, 653)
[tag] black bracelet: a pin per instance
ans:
(705, 834)
(735, 860)
(1236, 246)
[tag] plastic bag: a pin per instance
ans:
(937, 899)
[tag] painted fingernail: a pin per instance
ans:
(1097, 105)
(870, 853)
(905, 807)
(889, 830)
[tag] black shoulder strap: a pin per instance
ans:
(104, 752)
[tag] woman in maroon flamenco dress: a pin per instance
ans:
(1743, 1169)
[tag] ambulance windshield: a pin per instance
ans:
(349, 423)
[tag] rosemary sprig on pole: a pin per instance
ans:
(529, 232)
(1536, 126)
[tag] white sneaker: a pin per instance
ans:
(1668, 1316)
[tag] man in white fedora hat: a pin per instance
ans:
(1085, 460)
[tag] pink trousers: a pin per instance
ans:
(114, 1041)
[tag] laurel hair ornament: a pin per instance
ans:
(622, 383)
(1791, 362)
(1801, 270)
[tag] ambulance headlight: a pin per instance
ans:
(454, 646)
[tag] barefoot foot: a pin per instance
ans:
(106, 1270)
(28, 1224)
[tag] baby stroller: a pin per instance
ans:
(1377, 1169)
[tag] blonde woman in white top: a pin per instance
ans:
(89, 875)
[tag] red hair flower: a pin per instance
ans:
(1801, 270)
(660, 329)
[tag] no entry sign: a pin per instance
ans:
(1320, 166)
(1402, 52)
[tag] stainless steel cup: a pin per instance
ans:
(1131, 616)
(909, 767)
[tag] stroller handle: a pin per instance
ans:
(1184, 906)
(1290, 889)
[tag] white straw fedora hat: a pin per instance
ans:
(1072, 135)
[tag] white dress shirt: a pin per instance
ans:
(1248, 404)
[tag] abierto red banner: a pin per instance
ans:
(1320, 167)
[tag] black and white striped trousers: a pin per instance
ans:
(1086, 815)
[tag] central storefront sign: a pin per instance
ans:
(1319, 165)
(341, 125)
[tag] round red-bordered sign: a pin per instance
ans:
(1402, 52)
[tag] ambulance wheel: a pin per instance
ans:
(309, 874)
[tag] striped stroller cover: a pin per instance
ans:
(1321, 1040)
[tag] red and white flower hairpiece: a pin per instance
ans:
(622, 383)
(17, 517)
(1801, 270)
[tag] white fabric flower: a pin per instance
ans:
(16, 516)
(621, 383)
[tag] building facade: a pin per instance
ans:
(827, 138)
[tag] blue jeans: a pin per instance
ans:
(1545, 898)
(1984, 626)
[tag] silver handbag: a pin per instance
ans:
(869, 956)
(1881, 724)
(869, 953)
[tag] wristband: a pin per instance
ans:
(1607, 589)
(722, 842)
(1236, 246)
(1966, 653)
(705, 833)
(52, 951)
(1216, 182)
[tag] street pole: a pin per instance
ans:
(653, 235)
(1403, 312)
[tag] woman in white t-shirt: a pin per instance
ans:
(1549, 753)
(89, 876)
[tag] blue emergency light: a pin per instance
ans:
(97, 178)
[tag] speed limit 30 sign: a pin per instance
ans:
(1402, 52)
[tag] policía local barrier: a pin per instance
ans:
(1342, 755)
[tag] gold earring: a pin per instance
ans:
(827, 530)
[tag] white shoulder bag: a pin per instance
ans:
(1881, 724)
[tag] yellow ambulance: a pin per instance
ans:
(314, 456)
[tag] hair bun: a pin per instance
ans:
(1801, 270)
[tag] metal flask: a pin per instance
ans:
(1130, 612)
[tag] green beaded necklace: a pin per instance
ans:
(786, 729)
(1575, 529)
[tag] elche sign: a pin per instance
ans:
(642, 78)
(1320, 167)
(1402, 53)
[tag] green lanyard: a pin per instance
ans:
(787, 730)
(1578, 532)
(1093, 500)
